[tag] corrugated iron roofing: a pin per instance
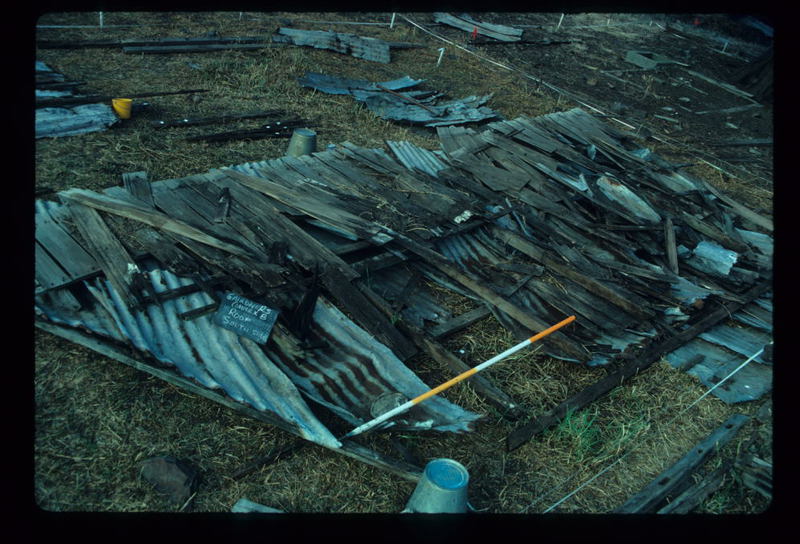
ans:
(341, 85)
(358, 46)
(199, 349)
(347, 372)
(724, 348)
(413, 157)
(57, 122)
(352, 371)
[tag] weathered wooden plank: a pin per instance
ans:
(638, 309)
(671, 248)
(666, 483)
(650, 355)
(313, 200)
(697, 493)
(467, 24)
(726, 86)
(150, 217)
(115, 261)
(48, 273)
(75, 260)
(349, 448)
(138, 186)
(497, 179)
(739, 209)
(460, 322)
(358, 46)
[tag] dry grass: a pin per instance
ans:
(97, 419)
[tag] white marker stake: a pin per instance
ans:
(441, 54)
(464, 375)
(391, 24)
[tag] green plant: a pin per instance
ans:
(580, 430)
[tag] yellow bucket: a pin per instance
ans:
(123, 107)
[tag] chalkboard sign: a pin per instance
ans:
(245, 317)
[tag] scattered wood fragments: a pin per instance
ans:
(476, 28)
(530, 219)
(53, 121)
(418, 107)
(676, 479)
(360, 47)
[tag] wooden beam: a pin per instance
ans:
(608, 293)
(671, 248)
(532, 323)
(668, 482)
(460, 322)
(697, 493)
(650, 355)
(114, 260)
(91, 99)
(148, 216)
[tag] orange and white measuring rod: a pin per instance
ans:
(464, 375)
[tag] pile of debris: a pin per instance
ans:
(533, 219)
(52, 122)
(415, 107)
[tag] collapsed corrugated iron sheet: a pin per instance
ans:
(58, 122)
(418, 107)
(515, 212)
(361, 47)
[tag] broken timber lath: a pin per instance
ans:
(475, 28)
(361, 47)
(393, 100)
(534, 219)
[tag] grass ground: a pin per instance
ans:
(97, 419)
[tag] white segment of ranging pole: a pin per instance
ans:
(466, 374)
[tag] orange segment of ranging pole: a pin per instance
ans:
(464, 375)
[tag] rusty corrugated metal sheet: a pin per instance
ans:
(351, 371)
(199, 349)
(347, 371)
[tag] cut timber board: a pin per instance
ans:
(672, 479)
(55, 240)
(115, 261)
(468, 24)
